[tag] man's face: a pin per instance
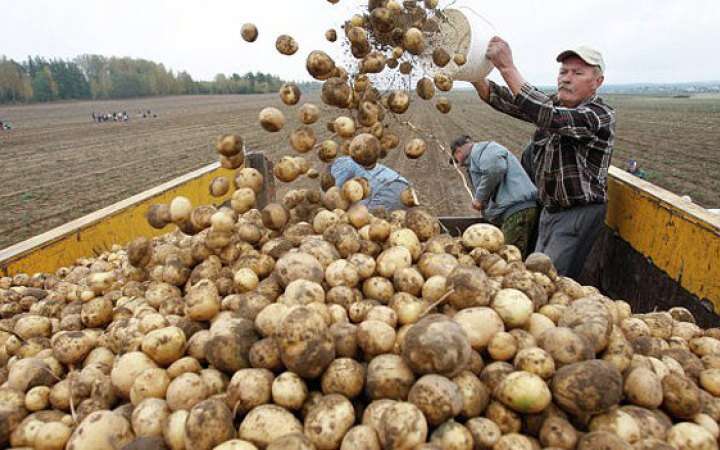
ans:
(577, 81)
(460, 153)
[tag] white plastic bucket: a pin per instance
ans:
(477, 66)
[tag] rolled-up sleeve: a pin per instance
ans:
(489, 169)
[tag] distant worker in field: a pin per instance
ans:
(386, 185)
(571, 147)
(634, 168)
(503, 191)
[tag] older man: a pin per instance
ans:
(571, 147)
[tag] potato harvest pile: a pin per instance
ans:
(346, 330)
(314, 323)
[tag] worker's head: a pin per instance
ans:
(460, 148)
(581, 75)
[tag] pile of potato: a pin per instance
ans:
(313, 324)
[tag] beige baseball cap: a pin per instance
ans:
(587, 54)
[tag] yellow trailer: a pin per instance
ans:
(657, 250)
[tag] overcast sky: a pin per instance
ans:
(642, 40)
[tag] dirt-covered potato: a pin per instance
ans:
(565, 346)
(402, 426)
(388, 377)
(272, 119)
(588, 387)
(286, 45)
(328, 421)
(306, 345)
(415, 148)
(437, 397)
(101, 430)
(360, 437)
(320, 65)
(267, 423)
(289, 391)
(249, 32)
(185, 391)
(681, 396)
(619, 423)
(248, 389)
(437, 344)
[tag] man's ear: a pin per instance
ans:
(599, 81)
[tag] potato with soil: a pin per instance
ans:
(414, 41)
(289, 391)
(248, 389)
(450, 435)
(483, 235)
(365, 149)
(437, 344)
(565, 346)
(320, 65)
(165, 345)
(468, 286)
(589, 387)
(272, 119)
(306, 345)
(415, 148)
(298, 265)
(513, 306)
(437, 397)
(328, 421)
(524, 392)
(286, 45)
(267, 423)
(360, 437)
(590, 318)
(681, 397)
(388, 377)
(249, 32)
(398, 101)
(403, 426)
(101, 430)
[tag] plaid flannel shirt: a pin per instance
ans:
(571, 147)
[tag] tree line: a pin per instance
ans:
(98, 77)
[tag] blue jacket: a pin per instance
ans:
(386, 185)
(499, 180)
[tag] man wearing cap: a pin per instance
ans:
(571, 148)
(503, 191)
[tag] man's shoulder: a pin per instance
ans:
(599, 103)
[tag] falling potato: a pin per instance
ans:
(443, 105)
(415, 148)
(460, 59)
(272, 119)
(308, 114)
(441, 58)
(290, 94)
(320, 65)
(331, 35)
(286, 45)
(414, 41)
(425, 89)
(406, 68)
(443, 82)
(408, 197)
(344, 127)
(249, 32)
(328, 151)
(398, 101)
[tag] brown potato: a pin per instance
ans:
(425, 89)
(443, 105)
(414, 41)
(320, 65)
(331, 35)
(365, 150)
(290, 94)
(272, 119)
(286, 45)
(589, 387)
(415, 148)
(429, 350)
(441, 57)
(249, 32)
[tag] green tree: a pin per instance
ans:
(44, 86)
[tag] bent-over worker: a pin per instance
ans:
(503, 191)
(386, 185)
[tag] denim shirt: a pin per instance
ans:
(385, 184)
(499, 180)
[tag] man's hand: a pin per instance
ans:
(500, 54)
(478, 205)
